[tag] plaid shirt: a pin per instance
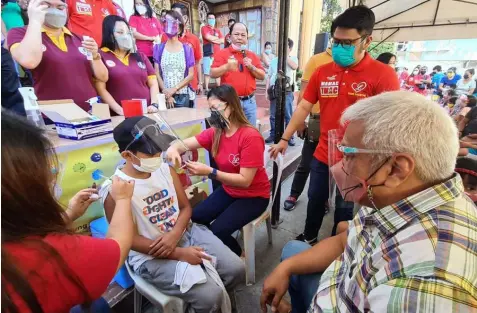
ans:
(417, 255)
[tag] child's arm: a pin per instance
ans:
(139, 243)
(163, 246)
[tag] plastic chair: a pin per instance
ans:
(249, 229)
(167, 304)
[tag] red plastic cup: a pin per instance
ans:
(132, 108)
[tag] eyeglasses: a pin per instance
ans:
(352, 150)
(346, 43)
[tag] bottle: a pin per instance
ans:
(31, 106)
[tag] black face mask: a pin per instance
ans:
(466, 76)
(423, 72)
(217, 120)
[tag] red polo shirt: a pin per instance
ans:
(147, 26)
(243, 82)
(209, 30)
(64, 71)
(193, 42)
(128, 77)
(337, 88)
(86, 17)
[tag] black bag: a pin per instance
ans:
(208, 49)
(272, 93)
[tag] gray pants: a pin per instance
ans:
(205, 297)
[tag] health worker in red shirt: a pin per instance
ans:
(418, 80)
(85, 17)
(192, 41)
(238, 149)
(146, 28)
(131, 75)
(45, 266)
(212, 39)
(240, 67)
(353, 75)
(48, 48)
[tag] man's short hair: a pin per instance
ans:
(268, 43)
(435, 148)
(183, 8)
(290, 43)
(210, 13)
(231, 21)
(359, 17)
(437, 68)
(236, 23)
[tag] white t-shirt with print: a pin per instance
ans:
(155, 207)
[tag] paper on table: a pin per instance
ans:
(69, 111)
(161, 98)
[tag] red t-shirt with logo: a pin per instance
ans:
(147, 26)
(413, 79)
(92, 262)
(194, 42)
(243, 82)
(209, 30)
(338, 87)
(85, 17)
(245, 148)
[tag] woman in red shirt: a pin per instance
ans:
(419, 80)
(238, 149)
(147, 29)
(45, 266)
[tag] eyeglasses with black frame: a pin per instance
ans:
(346, 43)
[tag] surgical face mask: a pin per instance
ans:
(211, 22)
(268, 51)
(466, 76)
(171, 28)
(124, 41)
(343, 56)
(148, 165)
(141, 9)
(415, 72)
(351, 187)
(450, 75)
(217, 120)
(238, 47)
(55, 18)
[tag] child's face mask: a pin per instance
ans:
(149, 165)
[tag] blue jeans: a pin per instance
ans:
(302, 288)
(228, 215)
(288, 112)
(249, 107)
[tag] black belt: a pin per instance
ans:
(244, 98)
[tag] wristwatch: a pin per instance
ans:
(213, 175)
(97, 57)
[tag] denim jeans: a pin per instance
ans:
(249, 107)
(318, 194)
(288, 112)
(303, 170)
(224, 215)
(302, 288)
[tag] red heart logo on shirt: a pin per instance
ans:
(357, 87)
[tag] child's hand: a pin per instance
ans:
(163, 246)
(193, 255)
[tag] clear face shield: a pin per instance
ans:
(342, 165)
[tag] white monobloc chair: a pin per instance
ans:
(249, 229)
(167, 304)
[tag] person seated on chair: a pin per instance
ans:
(164, 234)
(238, 148)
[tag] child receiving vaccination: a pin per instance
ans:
(165, 239)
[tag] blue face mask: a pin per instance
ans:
(211, 21)
(343, 56)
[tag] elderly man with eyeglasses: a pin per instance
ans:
(353, 75)
(411, 246)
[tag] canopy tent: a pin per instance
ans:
(413, 20)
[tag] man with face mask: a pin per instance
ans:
(239, 68)
(352, 75)
(212, 39)
(410, 246)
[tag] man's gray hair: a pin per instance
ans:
(406, 122)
